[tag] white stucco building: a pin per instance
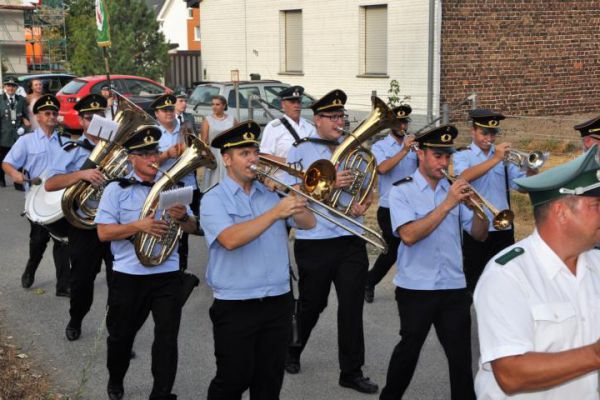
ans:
(355, 45)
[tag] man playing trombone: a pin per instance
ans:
(86, 252)
(136, 290)
(248, 270)
(329, 254)
(428, 217)
(483, 164)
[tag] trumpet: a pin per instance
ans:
(522, 159)
(317, 185)
(502, 219)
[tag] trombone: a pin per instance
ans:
(317, 184)
(522, 159)
(502, 219)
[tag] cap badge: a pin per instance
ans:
(446, 137)
(337, 102)
(493, 122)
(95, 104)
(49, 102)
(401, 113)
(248, 136)
(148, 139)
(168, 102)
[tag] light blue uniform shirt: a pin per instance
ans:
(122, 206)
(491, 186)
(434, 262)
(308, 153)
(35, 152)
(69, 161)
(167, 140)
(257, 269)
(385, 149)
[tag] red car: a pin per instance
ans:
(139, 89)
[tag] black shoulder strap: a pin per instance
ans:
(126, 182)
(290, 129)
(317, 141)
(68, 146)
(506, 185)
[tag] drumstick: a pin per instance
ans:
(33, 181)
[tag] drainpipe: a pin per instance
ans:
(430, 60)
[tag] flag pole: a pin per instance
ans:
(103, 41)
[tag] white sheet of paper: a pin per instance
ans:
(103, 128)
(169, 198)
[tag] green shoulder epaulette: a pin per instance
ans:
(514, 253)
(403, 180)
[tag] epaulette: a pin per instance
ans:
(403, 180)
(514, 253)
(69, 146)
(316, 140)
(126, 182)
(275, 123)
(72, 145)
(463, 148)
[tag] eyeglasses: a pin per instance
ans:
(49, 113)
(89, 117)
(333, 117)
(146, 155)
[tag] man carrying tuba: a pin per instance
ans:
(86, 252)
(136, 290)
(329, 254)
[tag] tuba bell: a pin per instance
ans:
(351, 155)
(152, 250)
(80, 201)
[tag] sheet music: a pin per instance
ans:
(169, 198)
(102, 128)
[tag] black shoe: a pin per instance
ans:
(115, 392)
(19, 187)
(2, 183)
(188, 283)
(27, 279)
(292, 365)
(73, 331)
(369, 294)
(63, 292)
(360, 384)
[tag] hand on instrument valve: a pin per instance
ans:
(289, 206)
(152, 227)
(408, 142)
(93, 176)
(459, 191)
(344, 178)
(175, 150)
(178, 211)
(501, 151)
(360, 209)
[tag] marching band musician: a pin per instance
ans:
(482, 165)
(136, 290)
(248, 271)
(86, 252)
(395, 161)
(329, 254)
(590, 132)
(428, 218)
(537, 302)
(171, 146)
(35, 152)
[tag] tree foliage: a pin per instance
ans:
(138, 47)
(394, 99)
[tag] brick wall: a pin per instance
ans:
(524, 57)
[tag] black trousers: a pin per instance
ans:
(251, 338)
(86, 253)
(183, 241)
(130, 299)
(38, 240)
(342, 261)
(477, 254)
(3, 152)
(449, 312)
(385, 261)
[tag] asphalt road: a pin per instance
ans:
(36, 319)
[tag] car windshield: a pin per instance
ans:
(203, 95)
(73, 87)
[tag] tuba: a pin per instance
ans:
(351, 155)
(79, 201)
(152, 250)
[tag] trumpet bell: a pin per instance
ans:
(503, 219)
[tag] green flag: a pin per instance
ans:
(103, 29)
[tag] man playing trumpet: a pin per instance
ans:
(427, 215)
(483, 165)
(136, 290)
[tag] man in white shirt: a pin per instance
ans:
(538, 301)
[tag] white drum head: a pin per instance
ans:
(43, 207)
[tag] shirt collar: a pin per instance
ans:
(552, 264)
(422, 183)
(477, 150)
(235, 187)
(41, 135)
(165, 130)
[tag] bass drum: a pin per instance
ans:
(44, 208)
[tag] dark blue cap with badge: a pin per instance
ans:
(145, 139)
(166, 101)
(11, 81)
(332, 101)
(91, 103)
(579, 177)
(402, 112)
(46, 102)
(244, 134)
(486, 119)
(439, 139)
(291, 93)
(589, 128)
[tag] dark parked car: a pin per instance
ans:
(52, 82)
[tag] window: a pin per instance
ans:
(140, 87)
(74, 86)
(245, 93)
(291, 41)
(373, 43)
(203, 95)
(197, 33)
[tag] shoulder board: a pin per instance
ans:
(403, 180)
(70, 146)
(514, 253)
(125, 182)
(275, 123)
(463, 148)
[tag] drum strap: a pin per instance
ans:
(73, 145)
